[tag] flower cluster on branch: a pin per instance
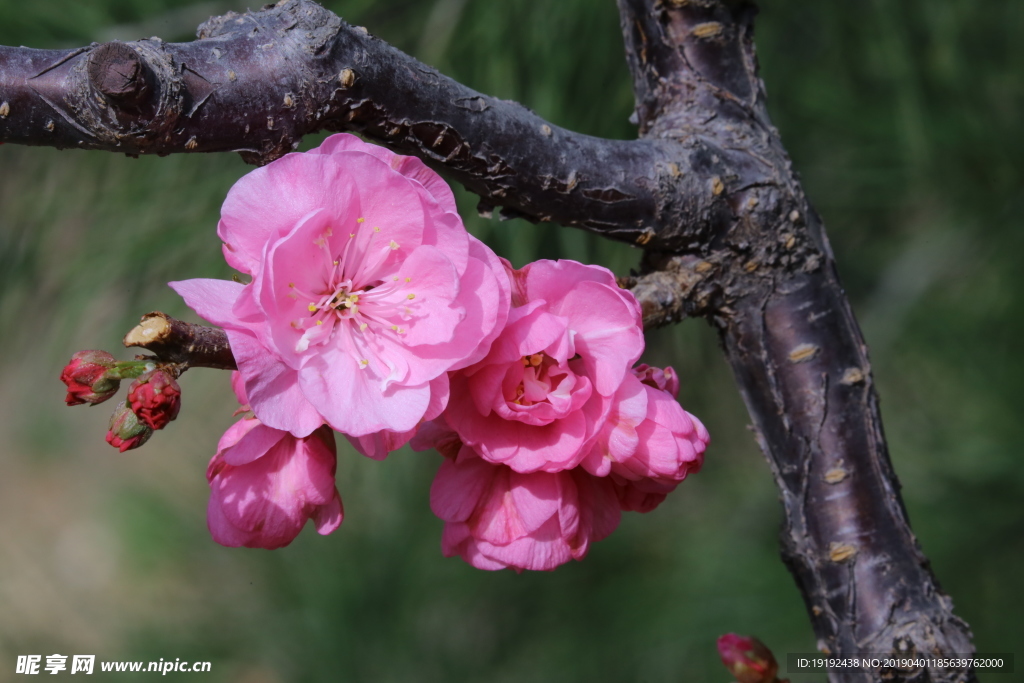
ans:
(371, 311)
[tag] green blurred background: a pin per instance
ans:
(903, 121)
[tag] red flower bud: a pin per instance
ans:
(748, 659)
(87, 378)
(126, 432)
(155, 398)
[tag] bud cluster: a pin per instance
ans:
(154, 397)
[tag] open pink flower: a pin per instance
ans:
(648, 444)
(265, 484)
(366, 289)
(496, 517)
(537, 401)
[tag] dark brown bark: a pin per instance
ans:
(184, 344)
(257, 83)
(770, 286)
(708, 191)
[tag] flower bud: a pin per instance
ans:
(155, 398)
(126, 432)
(748, 659)
(666, 380)
(88, 378)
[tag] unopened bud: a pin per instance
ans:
(666, 380)
(748, 659)
(89, 379)
(126, 432)
(155, 398)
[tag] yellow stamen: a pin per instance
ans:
(319, 322)
(360, 220)
(408, 279)
(412, 296)
(311, 307)
(376, 229)
(362, 326)
(393, 245)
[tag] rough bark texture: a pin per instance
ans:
(707, 190)
(184, 344)
(770, 286)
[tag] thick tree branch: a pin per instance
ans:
(771, 287)
(256, 83)
(708, 191)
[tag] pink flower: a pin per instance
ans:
(86, 378)
(649, 443)
(366, 290)
(265, 483)
(156, 398)
(496, 517)
(537, 401)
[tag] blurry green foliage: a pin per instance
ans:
(902, 119)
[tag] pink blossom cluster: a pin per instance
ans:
(371, 311)
(554, 433)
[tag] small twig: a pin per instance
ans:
(187, 344)
(661, 295)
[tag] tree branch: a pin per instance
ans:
(256, 83)
(770, 285)
(182, 343)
